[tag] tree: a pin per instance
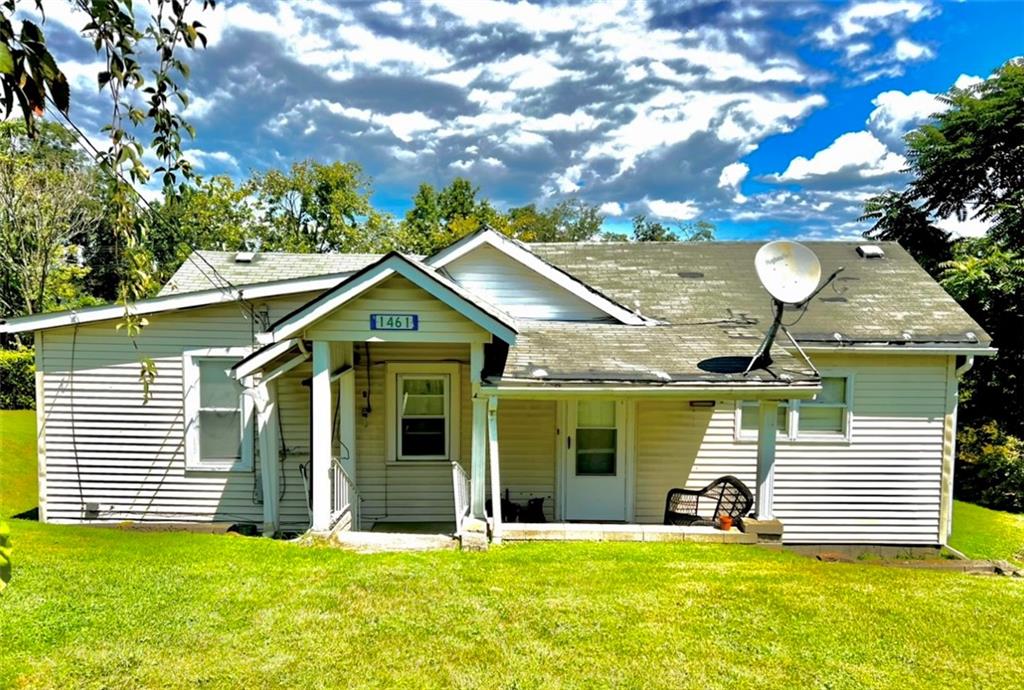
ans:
(317, 207)
(970, 160)
(213, 214)
(437, 219)
(570, 220)
(988, 280)
(645, 230)
(47, 206)
(898, 219)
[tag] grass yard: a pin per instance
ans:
(18, 488)
(982, 533)
(111, 608)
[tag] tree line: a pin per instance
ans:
(968, 163)
(58, 250)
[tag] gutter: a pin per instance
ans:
(902, 350)
(687, 392)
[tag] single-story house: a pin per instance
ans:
(346, 391)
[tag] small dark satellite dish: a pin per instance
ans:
(790, 273)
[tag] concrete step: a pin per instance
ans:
(379, 542)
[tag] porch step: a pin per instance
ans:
(379, 542)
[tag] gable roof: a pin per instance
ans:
(205, 267)
(523, 256)
(485, 315)
(890, 300)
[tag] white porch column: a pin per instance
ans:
(492, 450)
(321, 441)
(767, 415)
(478, 465)
(269, 460)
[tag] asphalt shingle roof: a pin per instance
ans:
(710, 309)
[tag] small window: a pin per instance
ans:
(218, 415)
(423, 417)
(596, 438)
(748, 418)
(825, 414)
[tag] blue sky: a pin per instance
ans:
(768, 119)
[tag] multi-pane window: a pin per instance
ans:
(596, 438)
(826, 415)
(749, 417)
(423, 413)
(218, 424)
(220, 413)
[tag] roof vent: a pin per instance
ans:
(244, 257)
(870, 251)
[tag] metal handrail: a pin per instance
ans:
(460, 489)
(344, 494)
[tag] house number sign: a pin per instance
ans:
(394, 322)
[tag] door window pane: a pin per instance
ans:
(423, 417)
(596, 413)
(596, 438)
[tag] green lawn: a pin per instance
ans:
(982, 533)
(18, 488)
(110, 608)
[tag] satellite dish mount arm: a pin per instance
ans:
(762, 359)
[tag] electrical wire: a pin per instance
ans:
(94, 153)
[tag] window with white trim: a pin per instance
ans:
(826, 413)
(826, 416)
(218, 417)
(422, 420)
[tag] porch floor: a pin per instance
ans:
(595, 531)
(414, 527)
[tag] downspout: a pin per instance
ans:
(958, 374)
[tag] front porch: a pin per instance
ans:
(599, 531)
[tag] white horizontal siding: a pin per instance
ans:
(526, 451)
(437, 321)
(521, 292)
(404, 491)
(104, 445)
(882, 487)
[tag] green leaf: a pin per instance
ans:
(6, 60)
(60, 93)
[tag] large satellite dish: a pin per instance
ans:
(789, 271)
(791, 274)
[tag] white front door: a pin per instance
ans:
(595, 468)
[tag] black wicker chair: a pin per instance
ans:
(728, 494)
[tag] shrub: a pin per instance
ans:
(990, 468)
(17, 380)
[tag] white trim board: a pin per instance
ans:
(155, 305)
(528, 259)
(437, 286)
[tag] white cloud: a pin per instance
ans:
(896, 113)
(906, 50)
(860, 18)
(200, 158)
(530, 71)
(732, 177)
(391, 7)
(673, 210)
(611, 208)
(966, 81)
(971, 227)
(858, 154)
